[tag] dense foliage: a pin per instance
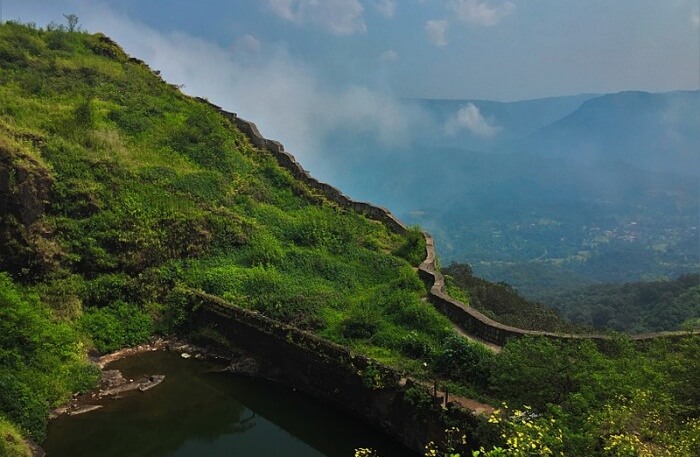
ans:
(12, 443)
(635, 307)
(610, 400)
(502, 303)
(118, 192)
(615, 398)
(41, 361)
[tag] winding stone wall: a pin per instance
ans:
(477, 324)
(471, 320)
(288, 162)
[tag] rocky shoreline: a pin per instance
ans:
(113, 383)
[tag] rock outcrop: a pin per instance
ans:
(26, 245)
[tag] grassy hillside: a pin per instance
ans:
(118, 191)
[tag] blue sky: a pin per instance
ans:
(302, 68)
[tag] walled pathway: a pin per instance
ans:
(490, 346)
(470, 404)
(463, 333)
(467, 320)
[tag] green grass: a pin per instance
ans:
(150, 191)
(12, 442)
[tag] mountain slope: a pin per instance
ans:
(118, 192)
(656, 132)
(513, 120)
(119, 195)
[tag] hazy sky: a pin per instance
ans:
(493, 49)
(302, 68)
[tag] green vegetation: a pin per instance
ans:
(613, 399)
(12, 443)
(119, 193)
(635, 307)
(502, 303)
(573, 398)
(41, 360)
(604, 399)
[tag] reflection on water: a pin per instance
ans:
(198, 412)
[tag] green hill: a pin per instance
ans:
(117, 191)
(118, 194)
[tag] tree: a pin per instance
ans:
(72, 21)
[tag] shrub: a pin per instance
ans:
(363, 322)
(11, 441)
(21, 403)
(108, 288)
(118, 325)
(417, 346)
(413, 249)
(300, 310)
(264, 249)
(84, 115)
(464, 361)
(37, 359)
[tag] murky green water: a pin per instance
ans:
(197, 412)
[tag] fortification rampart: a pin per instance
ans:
(471, 320)
(288, 162)
(479, 325)
(380, 395)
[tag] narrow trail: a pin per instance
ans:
(463, 333)
(490, 346)
(470, 404)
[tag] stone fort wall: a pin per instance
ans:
(463, 315)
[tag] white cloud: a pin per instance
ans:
(386, 7)
(247, 43)
(481, 12)
(285, 97)
(389, 56)
(437, 31)
(695, 18)
(282, 8)
(339, 17)
(470, 117)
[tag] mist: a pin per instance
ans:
(263, 82)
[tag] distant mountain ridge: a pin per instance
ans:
(514, 119)
(658, 131)
(587, 188)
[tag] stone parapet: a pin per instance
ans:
(471, 320)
